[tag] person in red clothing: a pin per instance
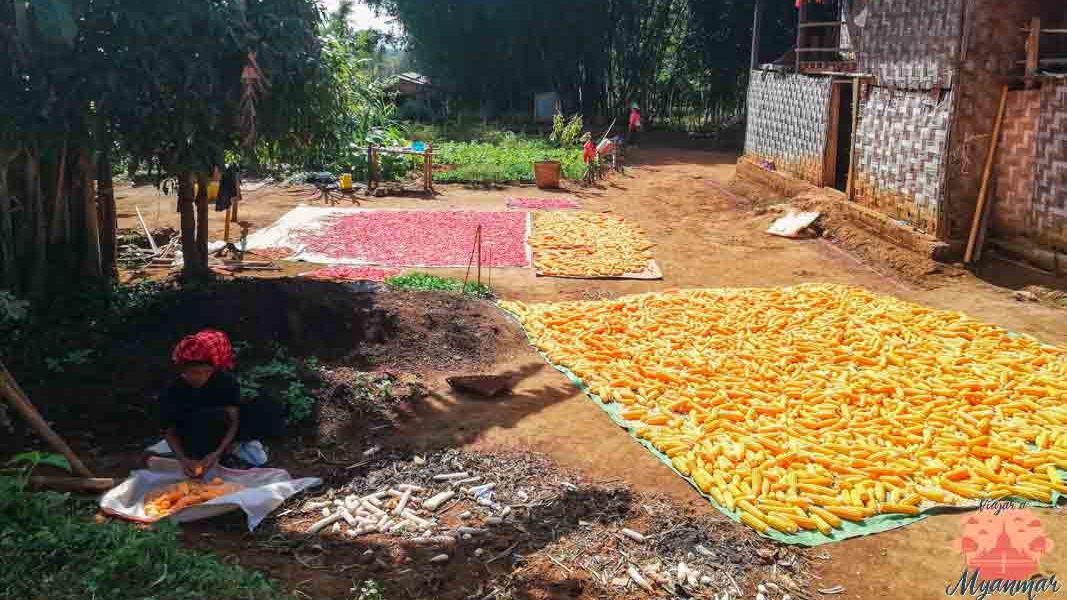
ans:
(589, 156)
(635, 125)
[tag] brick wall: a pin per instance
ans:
(994, 42)
(1050, 169)
(1013, 191)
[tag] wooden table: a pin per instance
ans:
(374, 151)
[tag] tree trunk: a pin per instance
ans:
(202, 220)
(108, 225)
(187, 208)
(58, 225)
(8, 274)
(91, 258)
(38, 276)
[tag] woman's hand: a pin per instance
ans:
(192, 468)
(209, 462)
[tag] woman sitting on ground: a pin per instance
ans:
(202, 413)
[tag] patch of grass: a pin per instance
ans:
(508, 160)
(425, 281)
(51, 548)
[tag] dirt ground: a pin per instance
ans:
(704, 238)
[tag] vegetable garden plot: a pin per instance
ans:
(397, 238)
(543, 203)
(817, 413)
(347, 273)
(590, 246)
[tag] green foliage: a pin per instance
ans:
(510, 160)
(370, 590)
(350, 104)
(285, 375)
(50, 548)
(12, 310)
(72, 358)
(685, 61)
(28, 461)
(566, 133)
(424, 281)
(59, 335)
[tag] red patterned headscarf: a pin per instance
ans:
(207, 346)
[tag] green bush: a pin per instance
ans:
(50, 548)
(425, 281)
(283, 374)
(509, 160)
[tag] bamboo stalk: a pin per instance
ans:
(72, 484)
(151, 241)
(478, 238)
(980, 208)
(10, 390)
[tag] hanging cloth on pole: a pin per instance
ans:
(227, 189)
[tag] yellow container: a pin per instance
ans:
(212, 190)
(346, 181)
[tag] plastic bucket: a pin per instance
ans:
(547, 173)
(346, 181)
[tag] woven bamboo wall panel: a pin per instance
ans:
(900, 149)
(787, 116)
(1050, 168)
(912, 44)
(1013, 172)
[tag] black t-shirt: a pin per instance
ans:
(181, 399)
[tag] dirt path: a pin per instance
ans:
(702, 240)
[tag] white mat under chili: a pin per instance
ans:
(398, 237)
(263, 490)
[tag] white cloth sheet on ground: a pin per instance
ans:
(303, 218)
(263, 491)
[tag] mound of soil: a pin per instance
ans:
(108, 405)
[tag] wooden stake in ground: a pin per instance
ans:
(476, 248)
(151, 241)
(980, 208)
(478, 242)
(14, 395)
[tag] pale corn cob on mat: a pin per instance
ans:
(587, 244)
(816, 413)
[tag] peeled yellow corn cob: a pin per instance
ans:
(826, 400)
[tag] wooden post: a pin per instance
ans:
(10, 390)
(72, 484)
(470, 262)
(850, 189)
(755, 33)
(372, 167)
(829, 167)
(1033, 47)
(478, 242)
(980, 208)
(236, 199)
(802, 15)
(226, 227)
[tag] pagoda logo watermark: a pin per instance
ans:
(1002, 545)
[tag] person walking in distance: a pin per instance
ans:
(635, 125)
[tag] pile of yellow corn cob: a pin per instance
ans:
(586, 244)
(805, 406)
